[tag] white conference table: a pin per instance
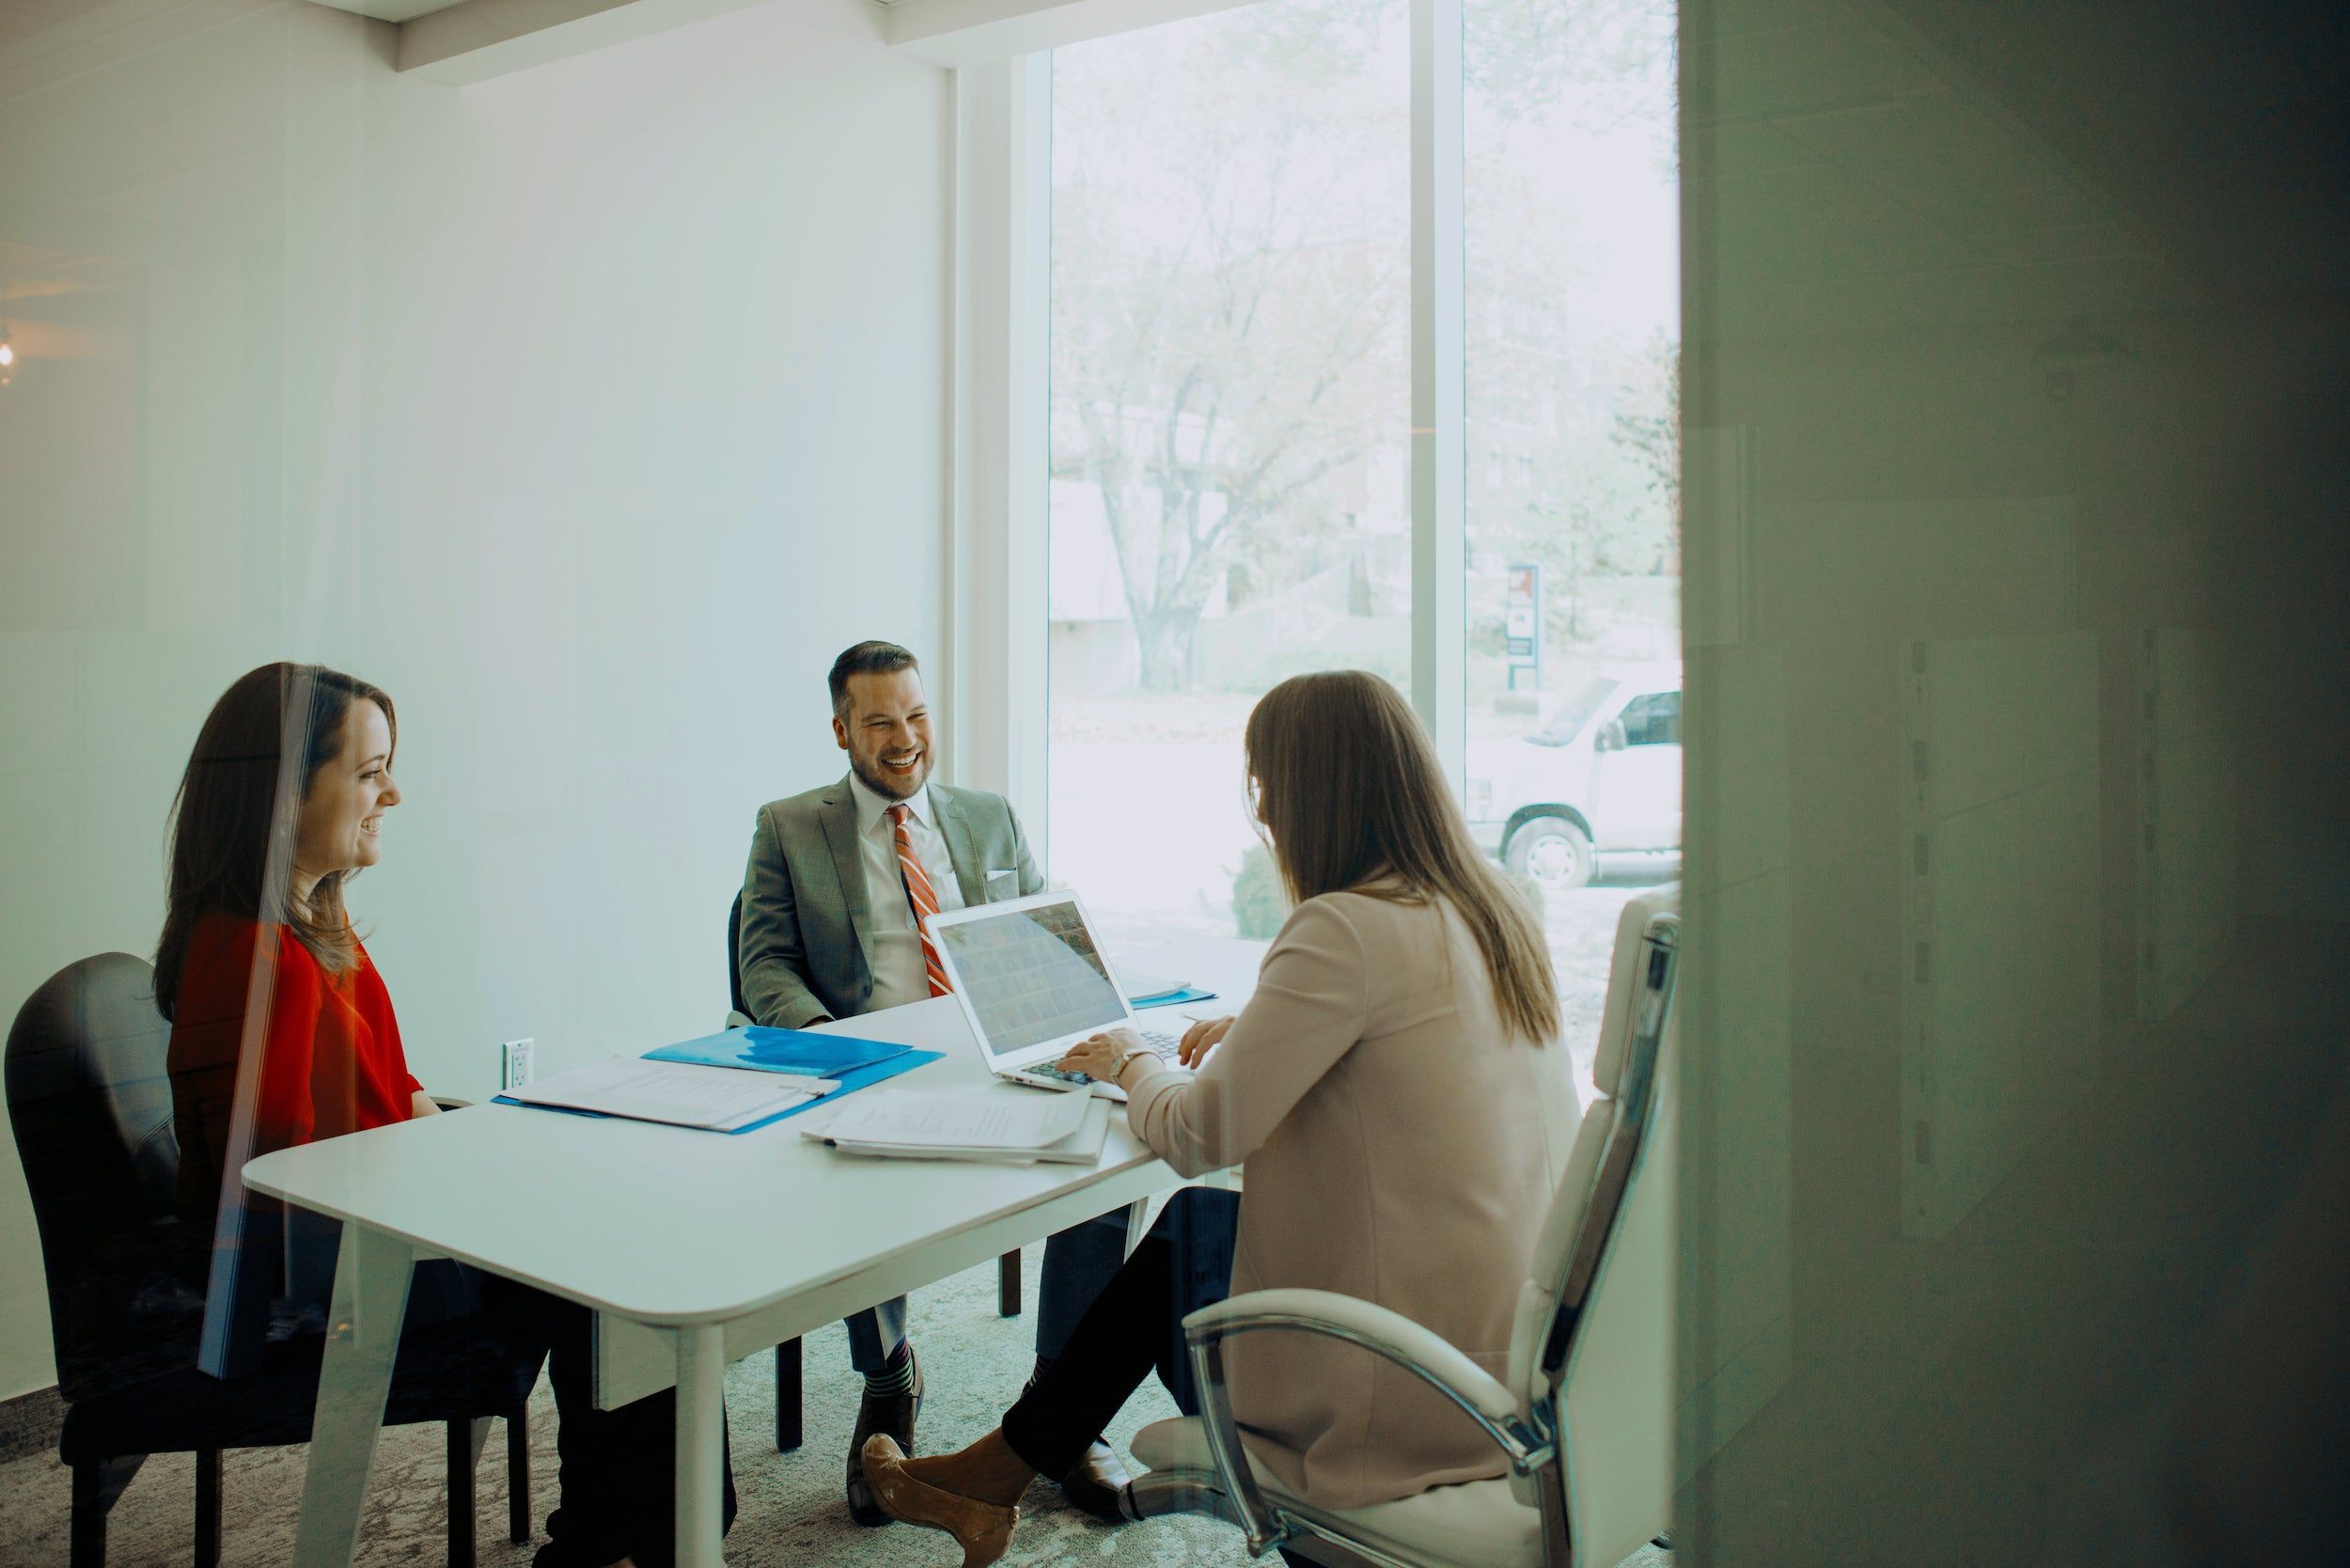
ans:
(695, 1248)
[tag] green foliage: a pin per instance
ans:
(1259, 904)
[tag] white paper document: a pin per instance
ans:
(981, 1119)
(1138, 984)
(680, 1093)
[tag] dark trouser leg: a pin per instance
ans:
(874, 1335)
(89, 1529)
(616, 1472)
(639, 1449)
(1078, 1263)
(518, 1478)
(1198, 1225)
(207, 1479)
(462, 1504)
(1108, 1355)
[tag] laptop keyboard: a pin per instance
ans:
(1158, 1042)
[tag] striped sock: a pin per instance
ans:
(897, 1373)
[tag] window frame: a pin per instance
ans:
(997, 690)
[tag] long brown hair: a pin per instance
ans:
(233, 819)
(1350, 791)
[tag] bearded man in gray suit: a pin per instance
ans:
(839, 881)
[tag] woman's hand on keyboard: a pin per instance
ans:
(1094, 1055)
(1201, 1037)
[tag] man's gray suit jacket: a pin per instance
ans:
(807, 918)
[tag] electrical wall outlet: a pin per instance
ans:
(514, 1063)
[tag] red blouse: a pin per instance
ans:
(331, 1059)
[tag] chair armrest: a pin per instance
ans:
(1395, 1338)
(1390, 1335)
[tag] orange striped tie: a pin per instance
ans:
(919, 895)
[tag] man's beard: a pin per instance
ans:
(887, 787)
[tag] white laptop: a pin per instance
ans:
(1033, 983)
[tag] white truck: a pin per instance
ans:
(1599, 776)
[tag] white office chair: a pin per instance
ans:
(1585, 1419)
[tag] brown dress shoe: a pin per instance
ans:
(982, 1529)
(1097, 1483)
(892, 1415)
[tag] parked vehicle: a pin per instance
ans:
(1602, 776)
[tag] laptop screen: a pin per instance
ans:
(1031, 976)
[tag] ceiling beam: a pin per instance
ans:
(958, 33)
(481, 38)
(476, 39)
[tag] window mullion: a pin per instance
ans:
(1440, 550)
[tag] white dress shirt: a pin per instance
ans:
(900, 975)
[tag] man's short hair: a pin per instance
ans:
(866, 658)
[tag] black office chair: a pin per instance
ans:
(89, 1098)
(787, 1352)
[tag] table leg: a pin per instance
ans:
(702, 1413)
(371, 1273)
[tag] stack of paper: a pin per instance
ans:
(985, 1123)
(1144, 989)
(718, 1098)
(1141, 987)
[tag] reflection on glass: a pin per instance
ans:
(1230, 443)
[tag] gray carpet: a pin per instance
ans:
(972, 1361)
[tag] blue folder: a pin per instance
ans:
(906, 1061)
(800, 1051)
(1170, 999)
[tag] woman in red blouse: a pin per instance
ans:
(334, 1063)
(275, 1003)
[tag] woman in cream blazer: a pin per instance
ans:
(1395, 1088)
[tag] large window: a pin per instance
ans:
(1230, 303)
(1571, 345)
(1231, 499)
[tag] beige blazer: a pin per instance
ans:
(1398, 1149)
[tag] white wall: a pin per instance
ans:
(588, 411)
